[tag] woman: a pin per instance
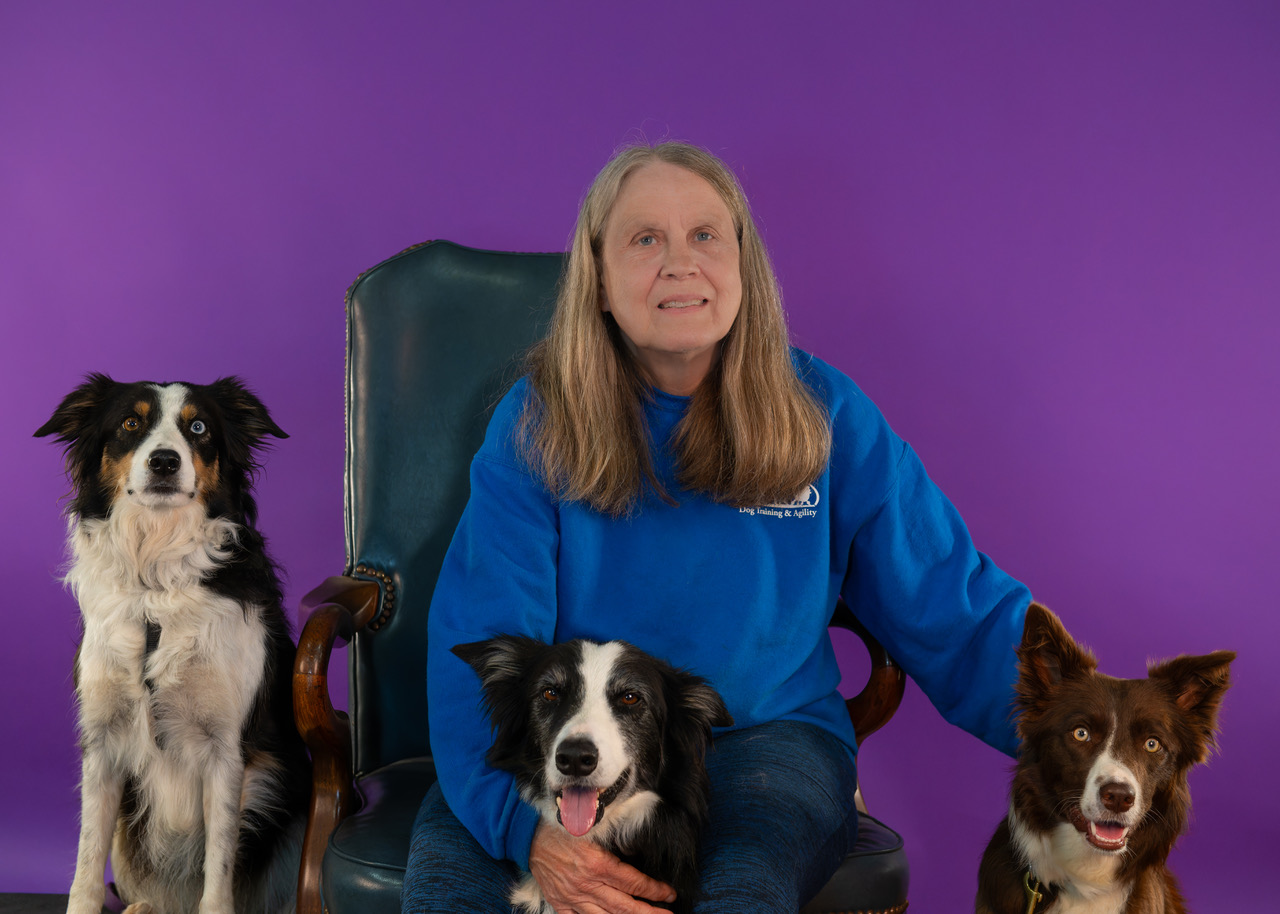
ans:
(671, 473)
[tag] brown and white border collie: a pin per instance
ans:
(607, 742)
(1100, 792)
(192, 771)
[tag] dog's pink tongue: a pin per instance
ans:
(1109, 832)
(578, 809)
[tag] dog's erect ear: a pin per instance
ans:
(1196, 685)
(244, 411)
(1048, 656)
(72, 415)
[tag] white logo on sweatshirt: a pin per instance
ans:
(802, 505)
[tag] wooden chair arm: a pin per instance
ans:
(335, 610)
(871, 708)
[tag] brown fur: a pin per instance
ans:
(1061, 695)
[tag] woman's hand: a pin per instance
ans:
(580, 877)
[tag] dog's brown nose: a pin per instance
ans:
(576, 757)
(1117, 797)
(164, 462)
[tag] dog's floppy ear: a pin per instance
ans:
(1048, 656)
(499, 660)
(503, 663)
(693, 708)
(246, 420)
(72, 419)
(1196, 685)
(72, 416)
(704, 703)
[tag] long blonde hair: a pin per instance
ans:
(753, 433)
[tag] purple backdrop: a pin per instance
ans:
(1044, 237)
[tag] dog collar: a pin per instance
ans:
(1032, 886)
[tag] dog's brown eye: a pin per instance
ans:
(630, 699)
(1152, 745)
(131, 424)
(1081, 735)
(550, 695)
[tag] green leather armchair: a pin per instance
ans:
(434, 337)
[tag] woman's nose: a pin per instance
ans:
(679, 261)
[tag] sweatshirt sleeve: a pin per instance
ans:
(943, 610)
(498, 577)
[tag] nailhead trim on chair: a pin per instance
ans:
(896, 909)
(388, 594)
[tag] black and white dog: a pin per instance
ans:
(193, 773)
(608, 742)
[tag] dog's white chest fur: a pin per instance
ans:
(1086, 879)
(159, 715)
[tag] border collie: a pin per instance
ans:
(609, 743)
(193, 773)
(1099, 792)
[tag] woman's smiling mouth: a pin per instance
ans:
(677, 305)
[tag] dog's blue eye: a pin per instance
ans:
(197, 427)
(1081, 735)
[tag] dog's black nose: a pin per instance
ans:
(1117, 797)
(164, 462)
(577, 757)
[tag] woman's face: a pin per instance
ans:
(670, 273)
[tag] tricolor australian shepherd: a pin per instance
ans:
(1100, 790)
(607, 742)
(193, 773)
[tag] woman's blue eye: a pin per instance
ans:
(703, 236)
(197, 427)
(646, 240)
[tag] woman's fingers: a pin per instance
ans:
(582, 877)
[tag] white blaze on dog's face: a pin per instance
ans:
(588, 753)
(161, 452)
(160, 465)
(1113, 801)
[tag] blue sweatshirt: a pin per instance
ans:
(741, 596)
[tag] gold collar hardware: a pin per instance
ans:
(1034, 895)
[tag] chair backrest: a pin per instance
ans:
(434, 338)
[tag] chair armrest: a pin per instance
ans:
(871, 708)
(335, 610)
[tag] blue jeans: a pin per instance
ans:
(782, 819)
